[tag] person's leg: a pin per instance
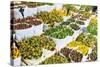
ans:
(22, 14)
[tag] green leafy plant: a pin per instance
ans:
(80, 22)
(87, 39)
(49, 17)
(31, 48)
(92, 27)
(93, 56)
(74, 26)
(59, 32)
(69, 8)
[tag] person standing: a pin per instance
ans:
(21, 10)
(94, 9)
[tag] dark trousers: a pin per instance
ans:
(22, 14)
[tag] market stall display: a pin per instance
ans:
(54, 33)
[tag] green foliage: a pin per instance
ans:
(49, 17)
(31, 48)
(55, 59)
(59, 32)
(87, 39)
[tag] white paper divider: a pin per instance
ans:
(84, 59)
(66, 18)
(38, 30)
(86, 23)
(16, 62)
(45, 27)
(76, 34)
(60, 43)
